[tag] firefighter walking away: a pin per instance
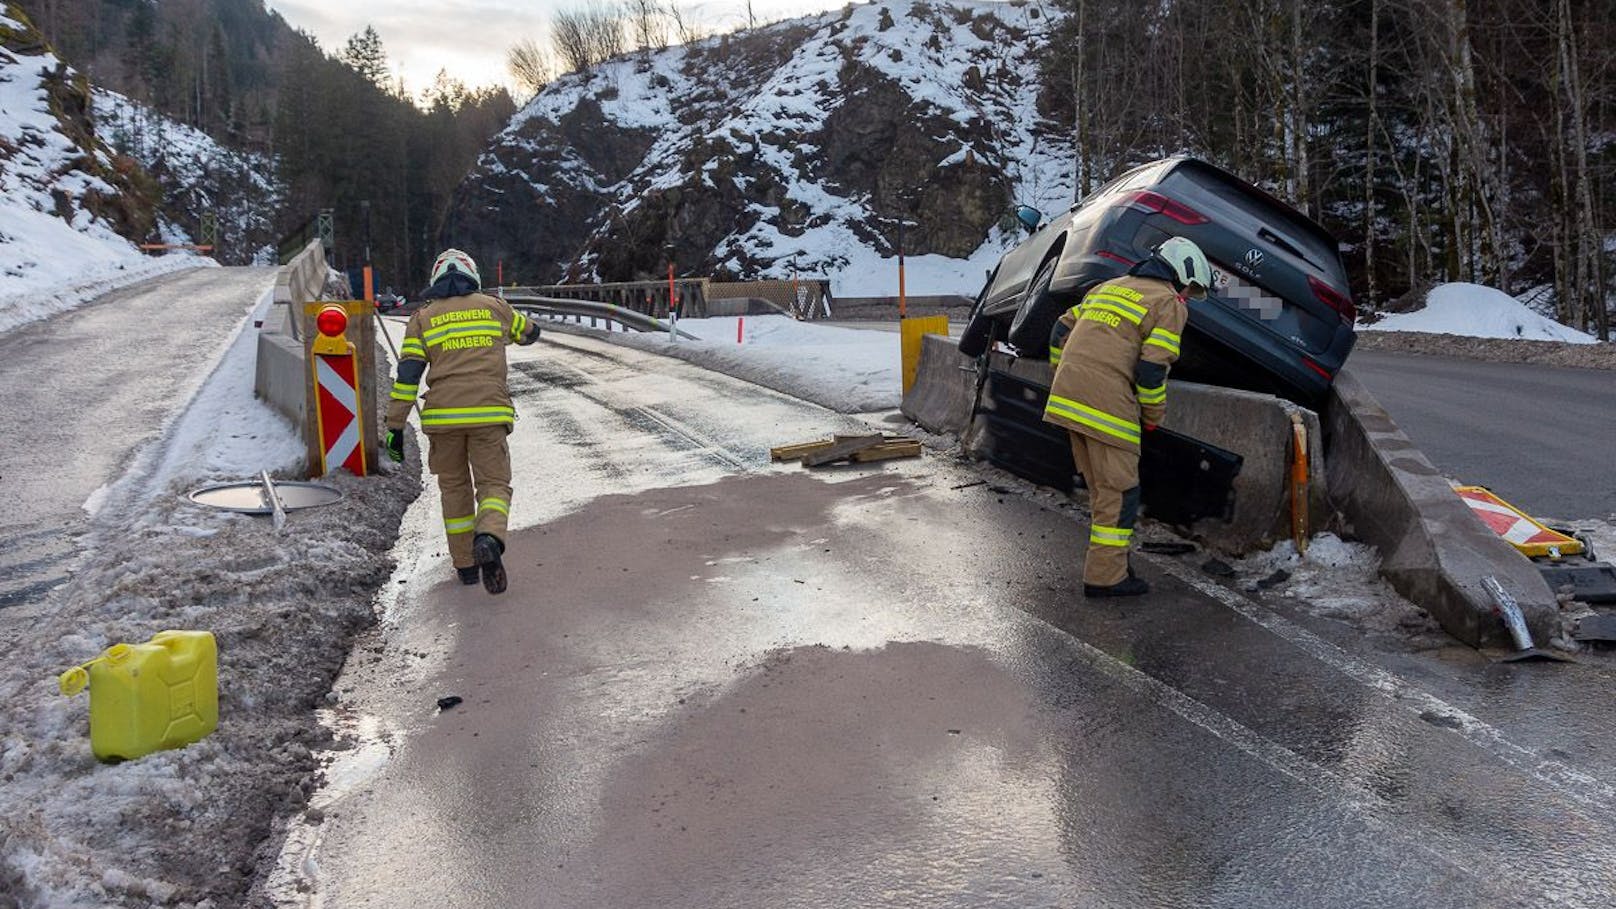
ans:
(456, 343)
(1111, 354)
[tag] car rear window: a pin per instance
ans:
(1296, 229)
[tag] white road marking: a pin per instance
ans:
(1576, 785)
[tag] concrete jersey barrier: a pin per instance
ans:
(1433, 549)
(1255, 426)
(279, 378)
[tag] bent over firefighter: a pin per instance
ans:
(1111, 354)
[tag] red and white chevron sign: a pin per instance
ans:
(337, 400)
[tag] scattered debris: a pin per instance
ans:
(1167, 547)
(1600, 628)
(1218, 568)
(449, 702)
(969, 485)
(1279, 577)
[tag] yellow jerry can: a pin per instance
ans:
(148, 697)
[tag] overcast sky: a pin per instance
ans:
(469, 37)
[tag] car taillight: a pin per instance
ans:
(1156, 203)
(1318, 369)
(1108, 254)
(1334, 299)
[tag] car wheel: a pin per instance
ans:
(1036, 316)
(978, 336)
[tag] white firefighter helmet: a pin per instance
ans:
(1188, 263)
(455, 260)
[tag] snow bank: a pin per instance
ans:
(848, 370)
(184, 827)
(1479, 312)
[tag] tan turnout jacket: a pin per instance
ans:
(1124, 333)
(461, 342)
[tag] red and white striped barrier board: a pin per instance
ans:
(1515, 527)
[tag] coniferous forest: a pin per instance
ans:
(1441, 140)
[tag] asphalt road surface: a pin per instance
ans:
(84, 392)
(720, 682)
(1542, 437)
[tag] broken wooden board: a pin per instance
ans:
(799, 450)
(843, 449)
(886, 451)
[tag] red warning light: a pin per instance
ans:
(332, 321)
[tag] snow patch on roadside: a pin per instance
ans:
(848, 370)
(50, 261)
(1476, 311)
(1337, 579)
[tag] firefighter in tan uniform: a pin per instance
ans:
(1111, 354)
(458, 337)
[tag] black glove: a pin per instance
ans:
(529, 336)
(394, 443)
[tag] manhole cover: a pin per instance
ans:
(247, 497)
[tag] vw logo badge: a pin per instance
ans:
(1254, 259)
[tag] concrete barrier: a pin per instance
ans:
(945, 388)
(279, 378)
(1433, 549)
(1256, 427)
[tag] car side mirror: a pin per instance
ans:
(1029, 217)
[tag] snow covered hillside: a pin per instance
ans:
(1475, 311)
(799, 145)
(199, 177)
(66, 202)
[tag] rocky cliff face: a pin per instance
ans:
(803, 145)
(51, 159)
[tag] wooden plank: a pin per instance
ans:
(797, 451)
(897, 448)
(842, 450)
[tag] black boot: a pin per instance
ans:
(469, 574)
(1128, 587)
(488, 549)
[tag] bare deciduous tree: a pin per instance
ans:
(529, 65)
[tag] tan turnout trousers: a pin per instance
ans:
(473, 467)
(1112, 476)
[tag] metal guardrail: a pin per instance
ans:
(590, 309)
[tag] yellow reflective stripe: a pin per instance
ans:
(459, 525)
(1164, 339)
(480, 328)
(1102, 535)
(1054, 355)
(402, 392)
(412, 347)
(1095, 419)
(462, 416)
(499, 505)
(1157, 395)
(1112, 306)
(518, 327)
(1111, 295)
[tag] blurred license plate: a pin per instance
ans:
(1248, 297)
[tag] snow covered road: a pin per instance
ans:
(85, 391)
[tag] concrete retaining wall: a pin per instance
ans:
(1433, 550)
